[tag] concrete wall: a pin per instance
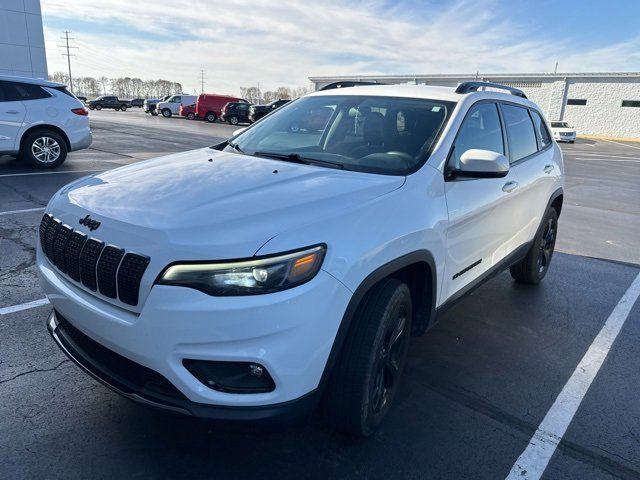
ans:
(602, 115)
(22, 39)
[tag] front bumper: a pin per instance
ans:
(290, 333)
(564, 138)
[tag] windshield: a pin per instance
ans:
(376, 134)
(560, 125)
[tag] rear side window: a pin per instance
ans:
(480, 129)
(541, 129)
(16, 92)
(522, 136)
(65, 91)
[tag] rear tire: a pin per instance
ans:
(154, 113)
(43, 149)
(98, 107)
(166, 113)
(211, 117)
(233, 120)
(123, 108)
(191, 116)
(533, 268)
(366, 376)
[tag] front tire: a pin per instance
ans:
(191, 116)
(44, 149)
(123, 108)
(533, 268)
(366, 376)
(154, 113)
(211, 117)
(98, 107)
(166, 113)
(233, 120)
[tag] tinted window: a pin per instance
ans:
(576, 101)
(522, 136)
(541, 129)
(631, 103)
(22, 91)
(481, 130)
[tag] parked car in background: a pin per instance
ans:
(258, 111)
(41, 121)
(108, 101)
(82, 99)
(563, 132)
(209, 105)
(188, 111)
(285, 268)
(172, 106)
(136, 102)
(149, 105)
(235, 113)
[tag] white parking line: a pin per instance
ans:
(48, 173)
(619, 143)
(608, 159)
(26, 210)
(23, 306)
(535, 458)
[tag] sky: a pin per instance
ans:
(283, 42)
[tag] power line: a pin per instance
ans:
(66, 38)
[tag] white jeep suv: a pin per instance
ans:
(290, 265)
(41, 121)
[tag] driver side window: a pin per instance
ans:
(481, 129)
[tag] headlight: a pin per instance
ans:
(247, 277)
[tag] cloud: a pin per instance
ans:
(241, 42)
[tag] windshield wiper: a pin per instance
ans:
(235, 147)
(296, 158)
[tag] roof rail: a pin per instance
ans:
(466, 87)
(348, 83)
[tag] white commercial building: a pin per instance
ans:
(22, 39)
(600, 104)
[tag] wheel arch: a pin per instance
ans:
(418, 270)
(46, 126)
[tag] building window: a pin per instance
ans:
(631, 103)
(576, 101)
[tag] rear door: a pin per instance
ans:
(527, 162)
(12, 115)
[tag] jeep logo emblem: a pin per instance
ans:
(90, 223)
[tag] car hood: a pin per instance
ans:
(206, 204)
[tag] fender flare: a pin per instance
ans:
(419, 256)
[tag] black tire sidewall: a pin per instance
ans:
(211, 117)
(231, 122)
(166, 113)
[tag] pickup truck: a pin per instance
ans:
(108, 101)
(149, 105)
(256, 112)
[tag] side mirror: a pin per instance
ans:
(239, 131)
(477, 163)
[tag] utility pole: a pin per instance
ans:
(66, 38)
(202, 81)
(555, 70)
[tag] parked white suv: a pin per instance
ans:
(563, 132)
(172, 106)
(290, 264)
(41, 121)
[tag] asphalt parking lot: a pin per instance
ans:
(476, 388)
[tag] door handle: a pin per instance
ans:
(12, 112)
(510, 187)
(548, 168)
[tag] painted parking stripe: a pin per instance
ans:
(48, 173)
(23, 306)
(535, 458)
(597, 159)
(620, 143)
(26, 210)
